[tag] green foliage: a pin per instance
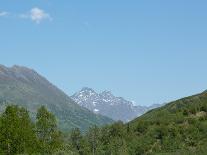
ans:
(177, 128)
(16, 131)
(93, 136)
(19, 135)
(78, 142)
(47, 132)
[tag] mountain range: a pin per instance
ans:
(25, 87)
(105, 103)
(178, 127)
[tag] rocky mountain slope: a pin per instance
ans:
(108, 105)
(25, 87)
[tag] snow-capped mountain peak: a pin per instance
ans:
(107, 104)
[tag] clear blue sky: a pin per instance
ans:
(143, 50)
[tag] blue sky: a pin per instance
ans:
(143, 50)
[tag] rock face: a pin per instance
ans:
(25, 87)
(108, 105)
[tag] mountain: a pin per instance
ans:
(108, 105)
(25, 87)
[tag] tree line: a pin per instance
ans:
(19, 134)
(166, 130)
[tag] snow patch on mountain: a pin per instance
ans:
(105, 103)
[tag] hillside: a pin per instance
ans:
(25, 87)
(178, 128)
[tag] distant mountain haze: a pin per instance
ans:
(25, 87)
(109, 105)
